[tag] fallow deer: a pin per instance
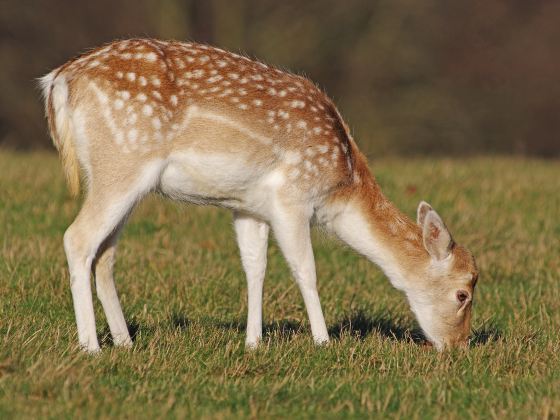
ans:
(201, 125)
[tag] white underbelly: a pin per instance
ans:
(228, 180)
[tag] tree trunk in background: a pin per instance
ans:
(201, 18)
(172, 19)
(232, 24)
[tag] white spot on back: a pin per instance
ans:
(294, 173)
(283, 114)
(195, 74)
(147, 110)
(131, 119)
(292, 157)
(323, 148)
(131, 76)
(225, 93)
(214, 79)
(334, 155)
(297, 104)
(156, 123)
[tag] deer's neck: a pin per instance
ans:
(370, 224)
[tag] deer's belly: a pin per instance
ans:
(228, 180)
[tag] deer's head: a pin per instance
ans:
(442, 297)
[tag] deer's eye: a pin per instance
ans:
(462, 296)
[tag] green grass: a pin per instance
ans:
(183, 293)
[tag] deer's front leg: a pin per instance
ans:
(291, 228)
(252, 238)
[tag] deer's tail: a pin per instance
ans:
(57, 109)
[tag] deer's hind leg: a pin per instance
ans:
(107, 292)
(106, 206)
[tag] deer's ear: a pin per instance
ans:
(437, 239)
(421, 212)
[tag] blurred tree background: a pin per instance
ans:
(410, 77)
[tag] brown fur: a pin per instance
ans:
(289, 106)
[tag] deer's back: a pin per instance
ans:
(229, 120)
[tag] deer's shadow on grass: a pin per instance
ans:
(134, 329)
(358, 325)
(486, 334)
(283, 328)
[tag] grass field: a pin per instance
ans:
(183, 293)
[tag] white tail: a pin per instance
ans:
(202, 125)
(55, 94)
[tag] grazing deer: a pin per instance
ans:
(206, 126)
